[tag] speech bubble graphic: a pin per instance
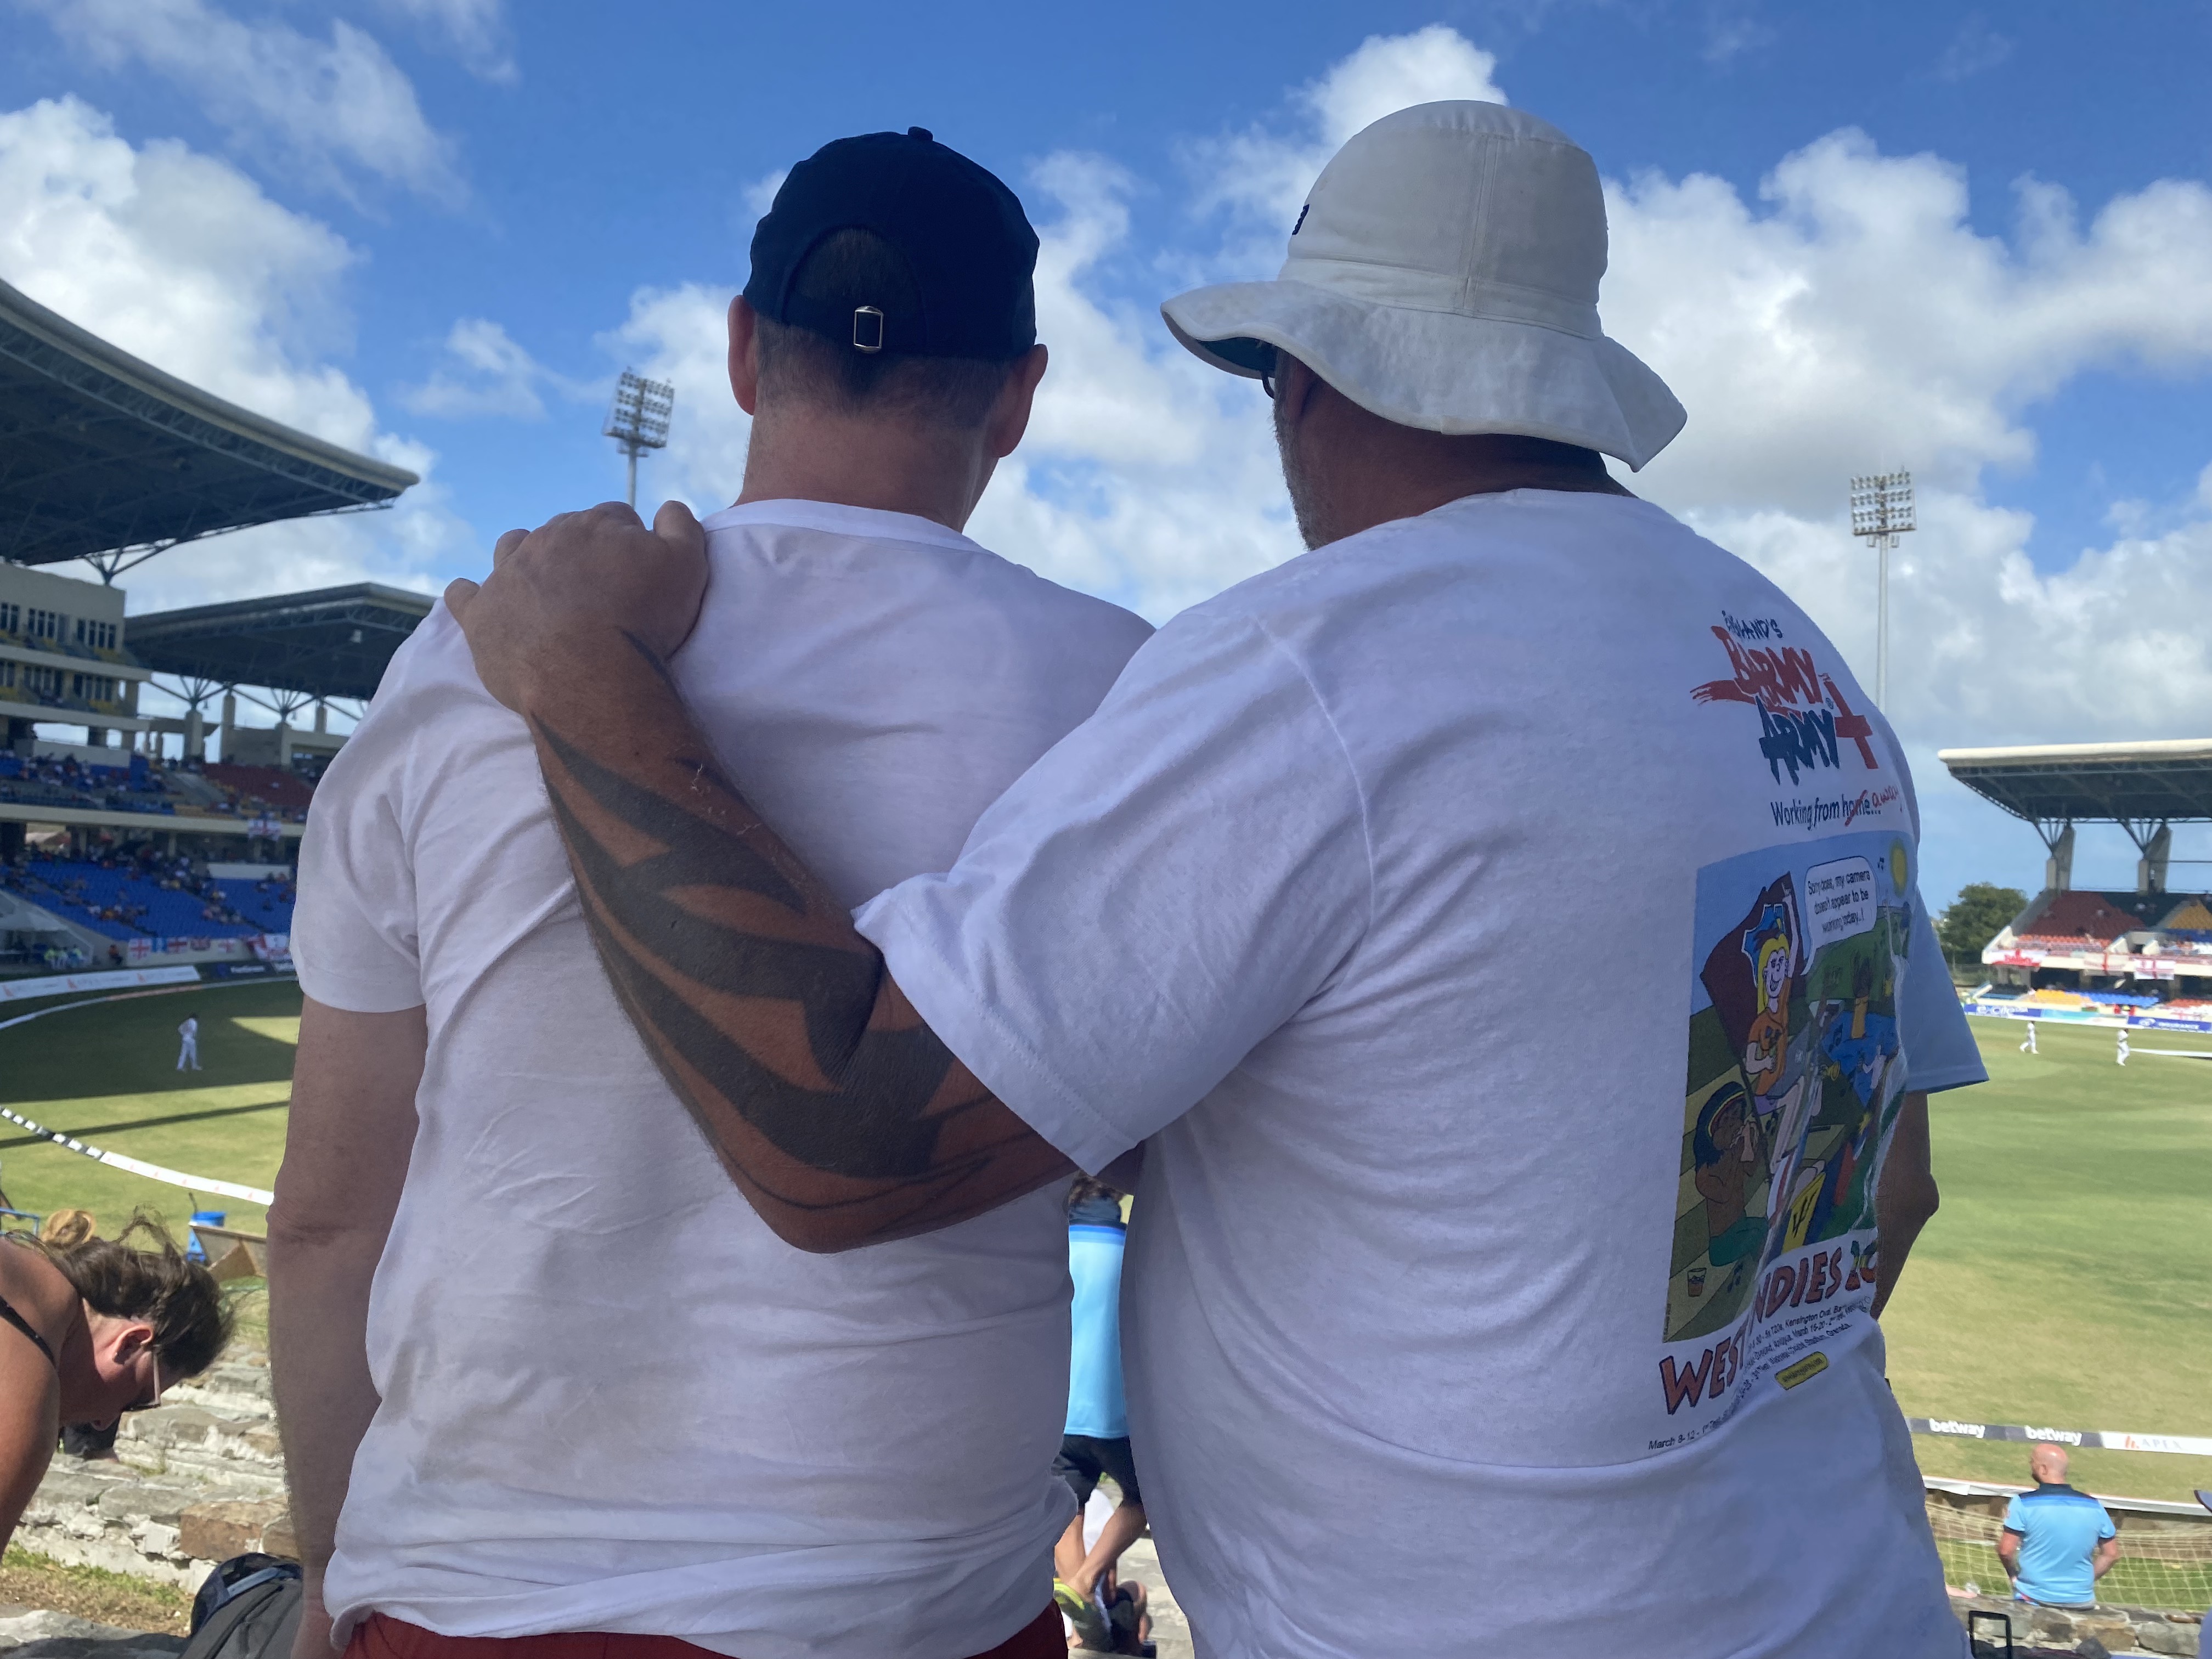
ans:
(1839, 899)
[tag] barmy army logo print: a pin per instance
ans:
(1803, 717)
(1795, 1078)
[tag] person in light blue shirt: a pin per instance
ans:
(1097, 1440)
(2057, 1542)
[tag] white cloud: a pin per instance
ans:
(332, 107)
(181, 259)
(1732, 28)
(1858, 323)
(1390, 72)
(1976, 48)
(1264, 172)
(474, 31)
(482, 371)
(760, 195)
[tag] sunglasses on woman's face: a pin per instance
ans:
(154, 1395)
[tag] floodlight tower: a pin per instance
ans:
(638, 419)
(1881, 507)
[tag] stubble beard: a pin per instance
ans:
(1307, 505)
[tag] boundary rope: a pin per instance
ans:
(151, 1171)
(121, 1161)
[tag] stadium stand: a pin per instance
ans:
(2189, 919)
(2105, 951)
(143, 785)
(111, 461)
(2075, 918)
(148, 897)
(252, 787)
(134, 787)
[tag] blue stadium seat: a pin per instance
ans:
(78, 889)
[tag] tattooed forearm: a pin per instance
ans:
(839, 1113)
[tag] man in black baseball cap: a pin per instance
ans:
(886, 345)
(958, 252)
(651, 1416)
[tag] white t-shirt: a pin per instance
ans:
(1412, 899)
(612, 1399)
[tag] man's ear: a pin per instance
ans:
(744, 354)
(1296, 388)
(1010, 412)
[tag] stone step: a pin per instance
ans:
(234, 1388)
(107, 1515)
(217, 1447)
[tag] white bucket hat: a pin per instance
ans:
(1444, 274)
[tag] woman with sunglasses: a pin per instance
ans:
(88, 1331)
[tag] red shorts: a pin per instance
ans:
(378, 1637)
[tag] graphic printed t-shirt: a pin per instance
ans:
(2059, 1530)
(1503, 924)
(611, 1398)
(1095, 1402)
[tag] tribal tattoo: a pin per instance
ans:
(840, 1115)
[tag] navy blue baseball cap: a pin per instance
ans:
(966, 243)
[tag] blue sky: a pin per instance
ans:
(1971, 241)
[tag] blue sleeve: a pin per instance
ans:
(2105, 1528)
(1940, 1050)
(2015, 1517)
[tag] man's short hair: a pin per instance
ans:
(853, 268)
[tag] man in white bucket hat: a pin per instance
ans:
(1437, 1340)
(1444, 275)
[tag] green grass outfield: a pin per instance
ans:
(2067, 1281)
(106, 1073)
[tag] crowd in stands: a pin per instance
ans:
(282, 794)
(144, 894)
(135, 786)
(2058, 999)
(138, 784)
(2090, 922)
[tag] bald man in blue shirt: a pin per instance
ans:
(2057, 1542)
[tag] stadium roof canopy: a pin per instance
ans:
(2127, 783)
(330, 643)
(104, 458)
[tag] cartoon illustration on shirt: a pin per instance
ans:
(1858, 1046)
(1775, 952)
(1793, 1084)
(1730, 1154)
(1745, 1073)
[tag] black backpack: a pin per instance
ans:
(248, 1608)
